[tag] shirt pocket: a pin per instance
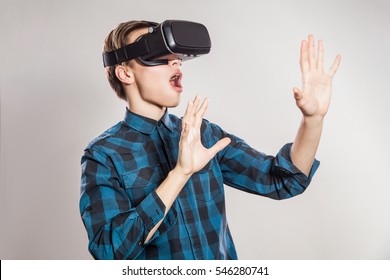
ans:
(141, 182)
(207, 183)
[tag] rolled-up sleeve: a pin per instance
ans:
(116, 228)
(252, 171)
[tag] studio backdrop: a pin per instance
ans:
(55, 98)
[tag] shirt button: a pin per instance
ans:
(159, 123)
(140, 243)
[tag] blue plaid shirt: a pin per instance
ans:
(122, 168)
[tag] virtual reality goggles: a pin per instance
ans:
(171, 39)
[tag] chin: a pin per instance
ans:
(172, 101)
(173, 104)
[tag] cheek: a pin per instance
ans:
(152, 78)
(153, 87)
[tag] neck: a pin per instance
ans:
(148, 110)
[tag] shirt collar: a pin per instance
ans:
(146, 125)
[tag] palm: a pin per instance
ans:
(193, 156)
(314, 99)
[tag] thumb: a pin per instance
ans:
(219, 146)
(297, 93)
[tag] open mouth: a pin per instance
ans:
(175, 81)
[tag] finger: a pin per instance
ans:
(201, 112)
(335, 66)
(186, 114)
(297, 93)
(194, 109)
(312, 55)
(184, 134)
(304, 61)
(196, 97)
(196, 103)
(185, 130)
(219, 146)
(320, 57)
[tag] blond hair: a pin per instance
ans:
(116, 39)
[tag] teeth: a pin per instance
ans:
(175, 77)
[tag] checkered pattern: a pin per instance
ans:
(122, 168)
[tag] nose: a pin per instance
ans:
(175, 62)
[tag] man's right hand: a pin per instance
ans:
(193, 156)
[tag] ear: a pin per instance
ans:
(124, 74)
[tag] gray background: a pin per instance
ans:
(55, 99)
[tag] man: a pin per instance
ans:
(153, 185)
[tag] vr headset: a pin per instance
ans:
(171, 39)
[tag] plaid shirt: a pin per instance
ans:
(122, 168)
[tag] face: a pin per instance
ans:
(158, 86)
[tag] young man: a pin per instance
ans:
(153, 185)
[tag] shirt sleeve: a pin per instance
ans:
(252, 171)
(116, 228)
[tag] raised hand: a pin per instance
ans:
(314, 98)
(193, 156)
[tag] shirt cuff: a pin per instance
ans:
(151, 210)
(285, 165)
